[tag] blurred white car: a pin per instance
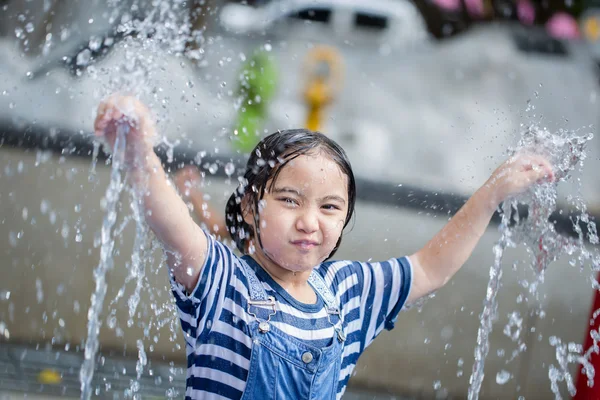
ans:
(390, 21)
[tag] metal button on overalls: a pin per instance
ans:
(307, 357)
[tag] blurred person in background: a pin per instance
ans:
(188, 182)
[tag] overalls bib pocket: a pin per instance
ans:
(282, 367)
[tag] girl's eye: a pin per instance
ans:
(289, 201)
(331, 207)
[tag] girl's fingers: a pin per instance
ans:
(536, 175)
(107, 113)
(100, 125)
(537, 163)
(543, 167)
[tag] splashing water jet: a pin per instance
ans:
(106, 262)
(565, 151)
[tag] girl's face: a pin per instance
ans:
(303, 214)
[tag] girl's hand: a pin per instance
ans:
(119, 110)
(517, 174)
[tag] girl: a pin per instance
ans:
(282, 322)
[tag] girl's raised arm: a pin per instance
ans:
(442, 256)
(165, 212)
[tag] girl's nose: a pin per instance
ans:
(307, 222)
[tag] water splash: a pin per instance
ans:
(141, 363)
(565, 354)
(92, 171)
(584, 360)
(565, 151)
(488, 315)
(106, 262)
(137, 269)
(166, 28)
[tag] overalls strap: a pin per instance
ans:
(318, 283)
(256, 289)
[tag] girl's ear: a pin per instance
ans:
(247, 210)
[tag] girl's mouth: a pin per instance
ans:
(305, 244)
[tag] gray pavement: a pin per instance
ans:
(22, 366)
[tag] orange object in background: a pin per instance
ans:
(323, 76)
(317, 96)
(584, 392)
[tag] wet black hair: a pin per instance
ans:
(264, 165)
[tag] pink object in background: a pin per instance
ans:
(475, 8)
(448, 5)
(525, 12)
(563, 26)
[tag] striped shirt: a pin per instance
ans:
(216, 324)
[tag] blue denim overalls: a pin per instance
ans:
(283, 367)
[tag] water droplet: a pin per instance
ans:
(95, 43)
(190, 84)
(64, 231)
(502, 377)
(4, 330)
(19, 32)
(39, 291)
(213, 168)
(268, 47)
(83, 58)
(229, 169)
(12, 239)
(437, 385)
(64, 34)
(29, 27)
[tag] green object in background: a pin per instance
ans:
(257, 86)
(248, 129)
